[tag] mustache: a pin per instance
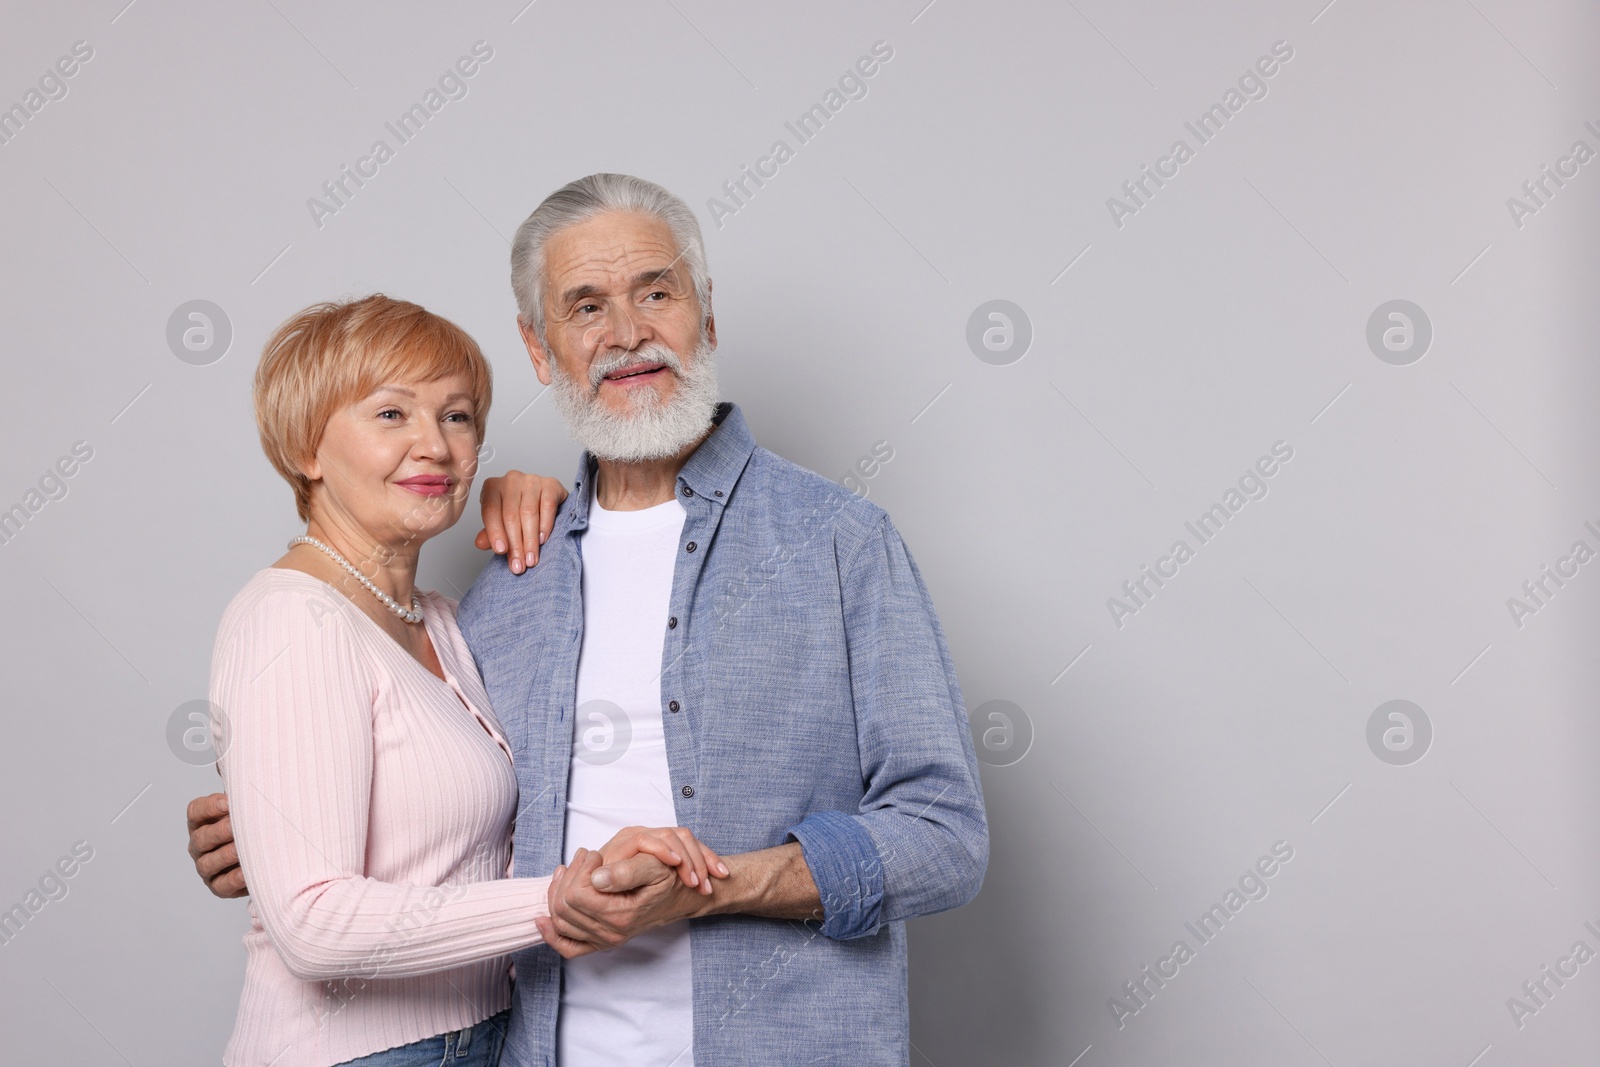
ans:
(616, 359)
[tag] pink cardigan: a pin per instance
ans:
(373, 805)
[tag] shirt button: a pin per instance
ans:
(688, 791)
(690, 547)
(672, 706)
(672, 623)
(687, 491)
(719, 492)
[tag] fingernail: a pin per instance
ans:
(602, 879)
(530, 559)
(223, 807)
(542, 537)
(500, 547)
(694, 879)
(722, 867)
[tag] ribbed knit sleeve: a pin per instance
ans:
(305, 700)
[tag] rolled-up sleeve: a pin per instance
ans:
(919, 843)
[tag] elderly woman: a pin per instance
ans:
(369, 783)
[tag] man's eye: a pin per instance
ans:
(659, 292)
(586, 309)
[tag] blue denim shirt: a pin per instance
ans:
(807, 694)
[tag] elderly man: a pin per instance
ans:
(719, 639)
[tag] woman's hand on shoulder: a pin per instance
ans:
(519, 511)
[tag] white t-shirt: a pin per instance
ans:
(631, 1006)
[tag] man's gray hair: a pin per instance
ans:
(582, 200)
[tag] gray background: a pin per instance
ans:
(1229, 313)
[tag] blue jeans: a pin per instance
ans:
(476, 1046)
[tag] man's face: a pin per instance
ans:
(612, 285)
(626, 345)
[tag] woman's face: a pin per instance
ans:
(397, 464)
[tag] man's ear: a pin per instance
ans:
(711, 319)
(536, 351)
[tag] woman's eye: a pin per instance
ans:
(459, 416)
(384, 414)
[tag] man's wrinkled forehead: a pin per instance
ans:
(611, 251)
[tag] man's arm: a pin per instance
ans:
(918, 843)
(774, 883)
(594, 905)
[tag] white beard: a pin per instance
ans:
(650, 429)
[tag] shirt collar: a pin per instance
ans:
(711, 471)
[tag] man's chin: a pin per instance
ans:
(626, 401)
(623, 444)
(601, 452)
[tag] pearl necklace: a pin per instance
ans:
(412, 616)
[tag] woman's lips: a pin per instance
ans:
(426, 486)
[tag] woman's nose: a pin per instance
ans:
(429, 440)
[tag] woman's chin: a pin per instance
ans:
(413, 527)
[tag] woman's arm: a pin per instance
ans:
(298, 773)
(216, 857)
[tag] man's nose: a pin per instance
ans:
(622, 329)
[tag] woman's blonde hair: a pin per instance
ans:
(334, 354)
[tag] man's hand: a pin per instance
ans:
(639, 879)
(211, 847)
(640, 894)
(519, 511)
(585, 919)
(674, 846)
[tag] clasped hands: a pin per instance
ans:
(640, 879)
